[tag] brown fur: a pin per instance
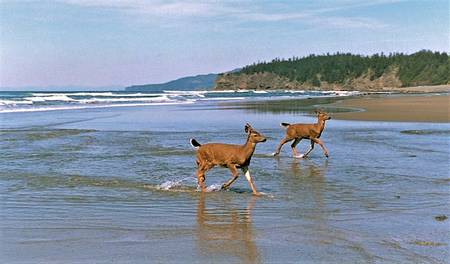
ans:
(297, 132)
(227, 155)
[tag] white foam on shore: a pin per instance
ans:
(293, 91)
(77, 107)
(99, 94)
(55, 97)
(186, 93)
(115, 100)
(75, 94)
(13, 102)
(71, 101)
(223, 91)
(339, 93)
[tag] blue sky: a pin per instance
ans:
(123, 42)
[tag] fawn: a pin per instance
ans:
(298, 132)
(233, 157)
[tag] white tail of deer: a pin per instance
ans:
(233, 157)
(194, 143)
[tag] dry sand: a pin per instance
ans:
(406, 108)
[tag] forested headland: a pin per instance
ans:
(343, 71)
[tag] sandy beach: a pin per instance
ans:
(428, 107)
(118, 185)
(410, 108)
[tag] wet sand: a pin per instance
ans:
(428, 107)
(412, 108)
(118, 185)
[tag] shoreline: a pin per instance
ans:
(396, 108)
(428, 107)
(422, 89)
(413, 104)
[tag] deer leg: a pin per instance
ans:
(249, 179)
(310, 149)
(282, 142)
(293, 145)
(201, 170)
(318, 141)
(234, 176)
(201, 180)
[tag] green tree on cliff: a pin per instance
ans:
(420, 68)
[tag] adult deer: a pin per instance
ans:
(233, 157)
(297, 132)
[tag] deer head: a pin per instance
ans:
(322, 115)
(253, 135)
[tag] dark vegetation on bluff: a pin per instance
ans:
(420, 68)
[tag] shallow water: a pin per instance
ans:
(118, 184)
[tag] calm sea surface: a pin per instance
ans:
(117, 184)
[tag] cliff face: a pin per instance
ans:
(257, 81)
(388, 80)
(271, 81)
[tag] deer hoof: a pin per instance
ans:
(300, 156)
(275, 154)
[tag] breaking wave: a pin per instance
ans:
(49, 101)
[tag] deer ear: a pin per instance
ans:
(247, 128)
(316, 111)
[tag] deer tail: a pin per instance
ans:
(285, 125)
(194, 143)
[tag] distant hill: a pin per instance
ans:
(198, 82)
(342, 71)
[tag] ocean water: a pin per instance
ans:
(99, 183)
(48, 101)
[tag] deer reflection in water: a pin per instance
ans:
(319, 207)
(308, 180)
(225, 229)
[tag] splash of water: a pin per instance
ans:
(167, 185)
(214, 187)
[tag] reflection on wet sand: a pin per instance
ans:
(299, 172)
(306, 168)
(226, 230)
(292, 106)
(307, 179)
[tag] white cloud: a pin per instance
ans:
(347, 22)
(242, 11)
(270, 17)
(155, 8)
